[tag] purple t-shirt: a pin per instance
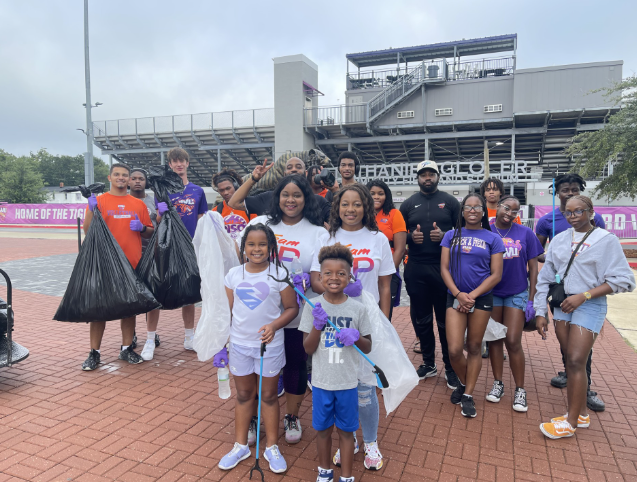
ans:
(544, 225)
(520, 245)
(189, 203)
(477, 246)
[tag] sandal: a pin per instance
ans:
(417, 347)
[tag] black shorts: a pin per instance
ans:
(484, 302)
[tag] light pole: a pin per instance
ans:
(487, 145)
(89, 176)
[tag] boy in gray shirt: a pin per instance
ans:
(334, 361)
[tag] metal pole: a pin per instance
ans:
(163, 159)
(218, 160)
(486, 159)
(88, 158)
(79, 235)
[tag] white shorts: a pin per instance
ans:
(246, 360)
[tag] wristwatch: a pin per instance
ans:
(587, 295)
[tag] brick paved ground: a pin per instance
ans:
(162, 420)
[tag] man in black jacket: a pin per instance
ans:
(428, 215)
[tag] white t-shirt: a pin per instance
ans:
(296, 241)
(257, 302)
(591, 240)
(372, 256)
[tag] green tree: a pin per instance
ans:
(615, 143)
(67, 169)
(21, 182)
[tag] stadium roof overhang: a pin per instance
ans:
(480, 46)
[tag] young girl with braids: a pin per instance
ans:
(598, 269)
(471, 266)
(260, 308)
(353, 224)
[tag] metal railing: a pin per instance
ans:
(425, 71)
(472, 69)
(334, 115)
(184, 123)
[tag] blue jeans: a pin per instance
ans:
(368, 412)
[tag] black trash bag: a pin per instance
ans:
(86, 191)
(169, 264)
(103, 285)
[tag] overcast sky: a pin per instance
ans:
(163, 57)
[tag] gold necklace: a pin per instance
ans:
(498, 231)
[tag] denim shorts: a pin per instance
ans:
(589, 315)
(514, 301)
(246, 360)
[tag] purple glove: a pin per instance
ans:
(92, 202)
(162, 208)
(320, 317)
(347, 336)
(220, 360)
(354, 289)
(301, 281)
(529, 311)
(136, 225)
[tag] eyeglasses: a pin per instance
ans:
(477, 209)
(508, 210)
(577, 212)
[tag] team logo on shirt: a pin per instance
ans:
(384, 220)
(330, 342)
(511, 248)
(441, 205)
(121, 212)
(252, 295)
(184, 205)
(362, 263)
(469, 242)
(287, 249)
(234, 225)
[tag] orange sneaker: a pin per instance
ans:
(582, 421)
(557, 430)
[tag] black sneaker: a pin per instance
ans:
(157, 342)
(468, 407)
(427, 371)
(519, 400)
(497, 392)
(456, 396)
(594, 403)
(130, 356)
(134, 343)
(452, 379)
(92, 361)
(560, 380)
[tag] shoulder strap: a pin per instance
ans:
(576, 250)
(220, 208)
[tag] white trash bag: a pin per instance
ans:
(216, 254)
(495, 331)
(389, 355)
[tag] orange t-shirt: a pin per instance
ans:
(390, 224)
(492, 213)
(118, 212)
(234, 220)
(323, 193)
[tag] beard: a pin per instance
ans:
(428, 188)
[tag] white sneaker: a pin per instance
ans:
(149, 350)
(188, 340)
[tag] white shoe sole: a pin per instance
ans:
(469, 416)
(429, 375)
(555, 437)
(493, 399)
(520, 408)
(237, 462)
(579, 425)
(280, 471)
(146, 356)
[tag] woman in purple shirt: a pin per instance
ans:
(471, 266)
(513, 297)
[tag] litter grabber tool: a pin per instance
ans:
(256, 462)
(381, 379)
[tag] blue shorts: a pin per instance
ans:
(514, 301)
(337, 407)
(589, 315)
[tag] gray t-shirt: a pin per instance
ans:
(149, 201)
(335, 366)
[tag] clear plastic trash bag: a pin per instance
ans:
(216, 254)
(389, 354)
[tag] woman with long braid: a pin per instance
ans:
(598, 269)
(471, 266)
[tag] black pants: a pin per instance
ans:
(395, 282)
(428, 294)
(588, 365)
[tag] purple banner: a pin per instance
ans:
(42, 214)
(620, 220)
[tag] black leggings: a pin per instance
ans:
(295, 369)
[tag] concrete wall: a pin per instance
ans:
(564, 87)
(289, 102)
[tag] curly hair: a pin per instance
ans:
(336, 251)
(273, 247)
(491, 181)
(569, 178)
(227, 175)
(311, 210)
(388, 205)
(369, 218)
